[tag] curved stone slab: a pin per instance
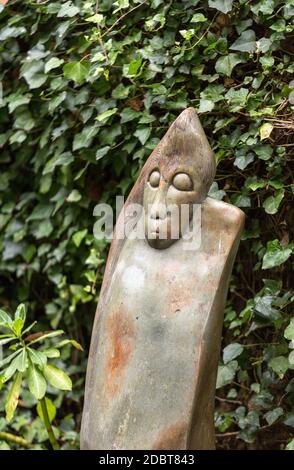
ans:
(156, 337)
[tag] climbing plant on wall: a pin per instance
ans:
(89, 88)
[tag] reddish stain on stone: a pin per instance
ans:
(120, 331)
(180, 298)
(172, 438)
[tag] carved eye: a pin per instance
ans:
(183, 182)
(154, 179)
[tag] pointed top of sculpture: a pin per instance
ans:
(185, 146)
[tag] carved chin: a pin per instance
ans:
(159, 243)
(159, 235)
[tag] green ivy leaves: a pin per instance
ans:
(275, 254)
(77, 71)
(86, 97)
(246, 42)
(225, 65)
(222, 5)
(289, 331)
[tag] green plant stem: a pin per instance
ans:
(8, 437)
(52, 439)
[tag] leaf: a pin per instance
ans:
(106, 115)
(74, 196)
(8, 359)
(18, 363)
(22, 360)
(291, 359)
(7, 340)
(143, 134)
(17, 326)
(213, 93)
(13, 396)
(77, 71)
(97, 18)
(42, 229)
(221, 5)
(16, 99)
(246, 42)
(57, 378)
(68, 9)
(226, 373)
(33, 73)
(205, 105)
(56, 101)
(215, 192)
(85, 138)
(232, 351)
(289, 421)
(41, 212)
(51, 353)
(265, 130)
(263, 308)
(51, 409)
(29, 328)
(273, 415)
(121, 92)
(102, 152)
(11, 32)
(37, 357)
(275, 254)
(290, 445)
(5, 319)
(263, 45)
(70, 341)
(134, 67)
(20, 312)
(280, 365)
(267, 61)
(29, 253)
(128, 115)
(243, 161)
(237, 98)
(36, 382)
(51, 334)
(198, 18)
(79, 236)
(225, 64)
(263, 151)
(289, 331)
(272, 203)
(53, 63)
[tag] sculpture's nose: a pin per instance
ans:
(158, 211)
(158, 208)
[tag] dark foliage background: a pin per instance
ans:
(89, 88)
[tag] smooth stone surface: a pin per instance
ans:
(156, 337)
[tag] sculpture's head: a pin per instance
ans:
(181, 172)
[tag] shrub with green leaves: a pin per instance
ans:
(29, 361)
(89, 88)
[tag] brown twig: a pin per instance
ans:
(100, 35)
(228, 400)
(122, 17)
(8, 437)
(235, 433)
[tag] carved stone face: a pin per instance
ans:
(169, 196)
(178, 174)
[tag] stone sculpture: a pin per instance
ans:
(156, 337)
